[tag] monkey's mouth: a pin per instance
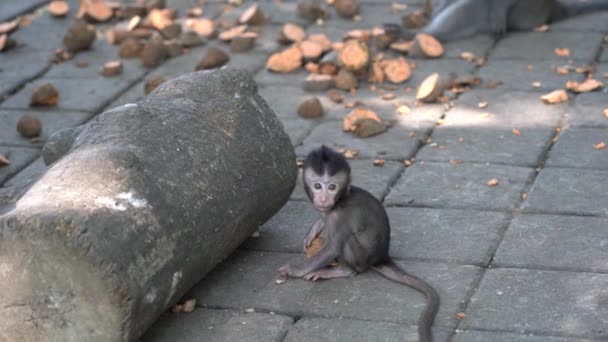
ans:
(323, 208)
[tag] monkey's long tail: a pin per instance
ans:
(393, 272)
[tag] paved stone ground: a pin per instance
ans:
(523, 261)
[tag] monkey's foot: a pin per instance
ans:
(330, 272)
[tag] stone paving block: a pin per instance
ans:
(27, 175)
(345, 330)
(19, 157)
(371, 15)
(583, 46)
(446, 67)
(21, 65)
(375, 179)
(247, 280)
(595, 22)
(604, 55)
(45, 32)
(284, 101)
(484, 336)
(446, 235)
(396, 144)
(298, 129)
(540, 302)
(265, 77)
(506, 109)
(460, 186)
(51, 122)
(575, 148)
(479, 45)
(12, 9)
(8, 86)
(555, 242)
(486, 144)
(276, 12)
(569, 191)
(285, 231)
(218, 325)
(88, 95)
(521, 74)
(87, 64)
(588, 111)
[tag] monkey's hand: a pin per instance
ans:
(289, 270)
(309, 238)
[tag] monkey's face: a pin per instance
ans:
(325, 190)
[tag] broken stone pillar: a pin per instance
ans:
(137, 206)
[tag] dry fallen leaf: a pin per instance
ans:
(600, 146)
(468, 56)
(279, 281)
(4, 161)
(556, 96)
(348, 153)
(492, 182)
(587, 85)
(541, 28)
(516, 131)
(379, 162)
(482, 105)
(523, 196)
(562, 52)
(461, 315)
(536, 84)
(189, 305)
(562, 70)
(407, 162)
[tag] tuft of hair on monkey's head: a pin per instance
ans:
(326, 160)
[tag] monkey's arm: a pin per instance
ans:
(325, 256)
(315, 230)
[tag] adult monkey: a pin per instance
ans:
(457, 19)
(356, 231)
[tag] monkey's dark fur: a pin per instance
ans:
(457, 19)
(356, 231)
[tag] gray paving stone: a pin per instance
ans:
(375, 179)
(372, 14)
(484, 336)
(7, 86)
(596, 22)
(588, 111)
(574, 148)
(521, 74)
(506, 109)
(479, 45)
(540, 302)
(88, 95)
(45, 32)
(583, 46)
(298, 129)
(446, 235)
(446, 67)
(21, 65)
(460, 186)
(218, 325)
(247, 280)
(285, 231)
(555, 242)
(604, 55)
(277, 12)
(88, 64)
(284, 101)
(571, 191)
(51, 122)
(27, 175)
(20, 157)
(265, 77)
(344, 330)
(494, 145)
(394, 144)
(11, 9)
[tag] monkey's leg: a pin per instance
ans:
(458, 20)
(340, 271)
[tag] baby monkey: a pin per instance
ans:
(356, 231)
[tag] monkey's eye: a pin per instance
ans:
(332, 187)
(317, 186)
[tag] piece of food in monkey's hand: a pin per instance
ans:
(315, 247)
(44, 95)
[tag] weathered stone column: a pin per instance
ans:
(138, 205)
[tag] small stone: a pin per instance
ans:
(310, 108)
(44, 95)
